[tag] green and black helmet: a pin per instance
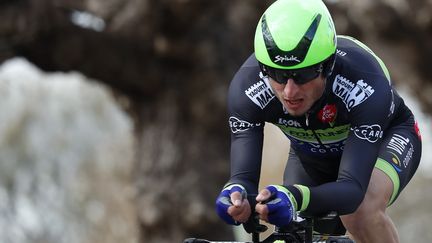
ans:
(296, 35)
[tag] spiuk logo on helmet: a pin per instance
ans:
(285, 58)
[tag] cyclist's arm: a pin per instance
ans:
(247, 125)
(368, 121)
(246, 152)
(345, 194)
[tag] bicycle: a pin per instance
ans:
(300, 230)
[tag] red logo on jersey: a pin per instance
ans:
(328, 113)
(416, 128)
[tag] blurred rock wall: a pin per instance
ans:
(66, 160)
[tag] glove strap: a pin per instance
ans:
(230, 186)
(288, 194)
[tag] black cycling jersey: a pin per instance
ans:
(342, 132)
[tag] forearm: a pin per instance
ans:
(246, 153)
(342, 196)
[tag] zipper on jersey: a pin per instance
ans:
(313, 131)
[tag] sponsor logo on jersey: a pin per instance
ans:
(396, 163)
(398, 145)
(370, 133)
(408, 156)
(328, 148)
(332, 140)
(326, 136)
(341, 53)
(289, 123)
(351, 93)
(335, 148)
(238, 125)
(328, 114)
(260, 93)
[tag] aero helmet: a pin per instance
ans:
(294, 34)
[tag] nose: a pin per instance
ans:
(291, 88)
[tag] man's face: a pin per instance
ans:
(298, 98)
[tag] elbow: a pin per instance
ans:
(351, 207)
(352, 203)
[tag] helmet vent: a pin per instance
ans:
(294, 56)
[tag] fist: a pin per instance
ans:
(232, 205)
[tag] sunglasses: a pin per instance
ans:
(300, 76)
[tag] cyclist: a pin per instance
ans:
(354, 143)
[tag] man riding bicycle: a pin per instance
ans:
(354, 143)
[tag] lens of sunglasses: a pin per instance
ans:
(300, 76)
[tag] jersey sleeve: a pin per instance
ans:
(247, 126)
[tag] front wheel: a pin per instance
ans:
(195, 240)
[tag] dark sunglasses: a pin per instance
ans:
(300, 76)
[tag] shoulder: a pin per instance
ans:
(249, 91)
(360, 78)
(357, 58)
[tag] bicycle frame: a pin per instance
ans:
(299, 231)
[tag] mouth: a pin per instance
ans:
(293, 104)
(294, 101)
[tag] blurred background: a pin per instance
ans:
(113, 124)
